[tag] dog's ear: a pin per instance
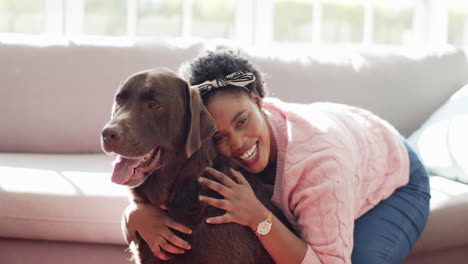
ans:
(200, 123)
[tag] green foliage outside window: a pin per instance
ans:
(22, 16)
(343, 22)
(105, 17)
(159, 18)
(292, 21)
(457, 25)
(213, 18)
(391, 25)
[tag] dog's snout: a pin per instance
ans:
(111, 136)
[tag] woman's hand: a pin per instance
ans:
(153, 225)
(240, 203)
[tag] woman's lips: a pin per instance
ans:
(250, 156)
(249, 153)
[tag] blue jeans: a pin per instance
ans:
(388, 232)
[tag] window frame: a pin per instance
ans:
(253, 22)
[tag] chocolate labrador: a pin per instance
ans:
(162, 132)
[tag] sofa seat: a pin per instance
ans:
(449, 209)
(60, 197)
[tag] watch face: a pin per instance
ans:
(264, 228)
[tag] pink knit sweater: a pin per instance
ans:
(335, 163)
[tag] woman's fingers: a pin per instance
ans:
(223, 178)
(178, 226)
(222, 219)
(175, 240)
(169, 247)
(239, 177)
(215, 186)
(218, 203)
(157, 250)
(169, 242)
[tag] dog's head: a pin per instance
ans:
(154, 110)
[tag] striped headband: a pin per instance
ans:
(239, 79)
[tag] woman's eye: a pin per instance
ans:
(217, 139)
(118, 100)
(242, 121)
(153, 106)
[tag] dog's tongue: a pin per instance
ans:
(123, 169)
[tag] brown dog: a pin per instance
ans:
(161, 131)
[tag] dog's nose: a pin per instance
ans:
(111, 135)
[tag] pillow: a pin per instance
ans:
(442, 141)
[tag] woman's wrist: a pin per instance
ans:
(257, 218)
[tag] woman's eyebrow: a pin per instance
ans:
(237, 116)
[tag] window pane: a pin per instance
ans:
(458, 23)
(343, 21)
(213, 18)
(293, 20)
(22, 16)
(393, 21)
(159, 18)
(105, 17)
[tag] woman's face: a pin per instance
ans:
(243, 133)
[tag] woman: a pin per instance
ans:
(345, 179)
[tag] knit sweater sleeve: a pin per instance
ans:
(322, 204)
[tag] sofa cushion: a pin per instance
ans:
(60, 197)
(402, 86)
(449, 214)
(65, 89)
(442, 142)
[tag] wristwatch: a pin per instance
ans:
(264, 227)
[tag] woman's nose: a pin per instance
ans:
(236, 143)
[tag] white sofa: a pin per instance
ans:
(57, 204)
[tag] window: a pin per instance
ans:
(213, 18)
(259, 22)
(159, 18)
(22, 16)
(292, 21)
(343, 21)
(393, 21)
(105, 17)
(458, 22)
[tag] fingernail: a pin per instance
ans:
(201, 198)
(200, 179)
(208, 221)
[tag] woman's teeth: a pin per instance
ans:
(249, 154)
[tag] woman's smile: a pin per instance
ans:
(250, 156)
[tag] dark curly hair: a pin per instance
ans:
(214, 64)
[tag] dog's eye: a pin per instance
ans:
(153, 106)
